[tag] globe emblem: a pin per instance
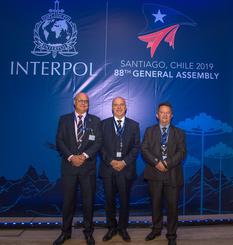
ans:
(55, 32)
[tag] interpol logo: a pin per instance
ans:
(55, 34)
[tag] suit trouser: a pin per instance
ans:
(158, 191)
(113, 184)
(87, 188)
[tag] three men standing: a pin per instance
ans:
(79, 138)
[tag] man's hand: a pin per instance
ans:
(117, 165)
(160, 167)
(78, 160)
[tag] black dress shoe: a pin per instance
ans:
(90, 240)
(172, 242)
(61, 239)
(152, 235)
(125, 235)
(108, 236)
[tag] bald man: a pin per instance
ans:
(78, 140)
(121, 140)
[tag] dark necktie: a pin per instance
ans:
(164, 142)
(119, 124)
(80, 128)
(118, 127)
(164, 135)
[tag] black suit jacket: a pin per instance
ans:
(151, 150)
(67, 144)
(131, 144)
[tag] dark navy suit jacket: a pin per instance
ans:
(131, 144)
(67, 144)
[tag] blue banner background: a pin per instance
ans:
(32, 97)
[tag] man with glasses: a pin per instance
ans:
(78, 140)
(121, 140)
(163, 149)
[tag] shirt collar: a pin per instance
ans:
(167, 126)
(83, 115)
(122, 120)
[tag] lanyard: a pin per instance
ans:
(119, 134)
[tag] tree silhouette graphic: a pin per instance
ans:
(219, 151)
(204, 125)
(189, 162)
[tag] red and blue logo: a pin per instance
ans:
(162, 25)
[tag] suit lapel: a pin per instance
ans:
(87, 127)
(113, 137)
(72, 127)
(157, 134)
(170, 137)
(126, 130)
(157, 140)
(112, 128)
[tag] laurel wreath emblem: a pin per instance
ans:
(64, 49)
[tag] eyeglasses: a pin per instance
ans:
(121, 105)
(83, 101)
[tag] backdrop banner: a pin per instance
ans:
(145, 51)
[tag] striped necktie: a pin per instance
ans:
(164, 143)
(80, 128)
(119, 128)
(119, 123)
(164, 135)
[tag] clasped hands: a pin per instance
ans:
(78, 160)
(160, 166)
(117, 165)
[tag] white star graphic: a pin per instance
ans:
(159, 16)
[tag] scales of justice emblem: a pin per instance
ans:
(55, 34)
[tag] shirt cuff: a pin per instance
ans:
(69, 158)
(164, 164)
(124, 162)
(85, 154)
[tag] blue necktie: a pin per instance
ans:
(164, 143)
(164, 135)
(119, 127)
(119, 124)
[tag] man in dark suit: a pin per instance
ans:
(78, 140)
(121, 141)
(163, 149)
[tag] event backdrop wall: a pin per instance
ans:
(146, 51)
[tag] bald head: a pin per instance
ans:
(119, 107)
(81, 102)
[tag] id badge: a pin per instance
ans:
(118, 154)
(91, 137)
